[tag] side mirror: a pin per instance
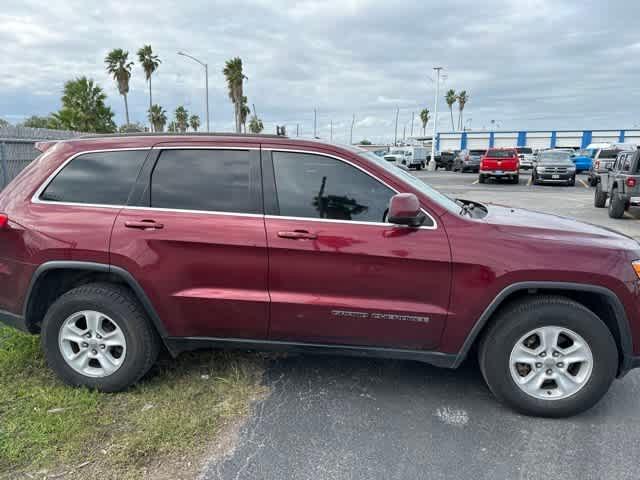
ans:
(404, 209)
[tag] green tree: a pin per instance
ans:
(131, 128)
(181, 116)
(150, 64)
(4, 123)
(173, 127)
(34, 121)
(244, 113)
(463, 98)
(365, 142)
(255, 124)
(194, 122)
(83, 108)
(424, 118)
(157, 117)
(119, 66)
(235, 85)
(451, 98)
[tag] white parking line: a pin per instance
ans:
(475, 182)
(584, 183)
(530, 180)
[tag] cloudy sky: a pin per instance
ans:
(525, 63)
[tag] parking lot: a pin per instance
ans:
(346, 418)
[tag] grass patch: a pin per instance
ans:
(176, 411)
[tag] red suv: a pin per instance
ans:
(500, 163)
(112, 248)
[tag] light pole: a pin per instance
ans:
(353, 121)
(413, 115)
(432, 163)
(206, 81)
(315, 122)
(395, 135)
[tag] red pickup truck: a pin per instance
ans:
(500, 163)
(113, 248)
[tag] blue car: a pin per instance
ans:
(584, 159)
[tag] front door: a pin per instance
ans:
(338, 273)
(196, 243)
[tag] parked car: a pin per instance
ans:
(500, 163)
(468, 160)
(409, 157)
(604, 157)
(526, 157)
(445, 160)
(554, 166)
(621, 184)
(380, 153)
(583, 159)
(112, 248)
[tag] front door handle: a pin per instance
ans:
(298, 235)
(144, 225)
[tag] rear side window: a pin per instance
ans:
(314, 186)
(104, 178)
(206, 180)
(608, 154)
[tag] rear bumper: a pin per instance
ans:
(498, 174)
(14, 321)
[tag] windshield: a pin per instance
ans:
(477, 153)
(609, 153)
(587, 152)
(554, 157)
(397, 152)
(500, 153)
(440, 198)
(524, 150)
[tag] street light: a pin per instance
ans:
(432, 163)
(206, 81)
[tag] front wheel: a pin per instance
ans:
(549, 357)
(98, 336)
(481, 178)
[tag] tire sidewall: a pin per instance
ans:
(63, 309)
(496, 366)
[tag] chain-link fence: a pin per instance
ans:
(17, 148)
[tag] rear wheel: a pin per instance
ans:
(600, 197)
(549, 357)
(617, 204)
(516, 180)
(99, 336)
(481, 178)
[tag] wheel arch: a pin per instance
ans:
(66, 275)
(600, 300)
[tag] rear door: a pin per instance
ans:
(339, 274)
(194, 239)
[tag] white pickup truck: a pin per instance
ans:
(408, 157)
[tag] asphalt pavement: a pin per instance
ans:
(345, 418)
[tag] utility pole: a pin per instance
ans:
(353, 121)
(315, 123)
(404, 133)
(395, 135)
(432, 163)
(413, 116)
(331, 134)
(297, 129)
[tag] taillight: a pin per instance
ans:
(597, 164)
(631, 182)
(4, 220)
(636, 267)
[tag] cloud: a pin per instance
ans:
(528, 64)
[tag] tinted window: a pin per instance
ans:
(609, 154)
(313, 186)
(524, 150)
(500, 153)
(100, 178)
(213, 180)
(626, 163)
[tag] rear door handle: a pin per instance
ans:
(298, 235)
(144, 225)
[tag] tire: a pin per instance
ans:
(448, 167)
(516, 180)
(617, 205)
(116, 306)
(600, 197)
(521, 318)
(481, 179)
(419, 167)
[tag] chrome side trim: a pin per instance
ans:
(202, 147)
(36, 196)
(205, 212)
(322, 154)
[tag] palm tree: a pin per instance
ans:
(235, 79)
(194, 121)
(451, 98)
(255, 124)
(182, 119)
(157, 117)
(83, 108)
(463, 98)
(244, 113)
(119, 66)
(424, 117)
(173, 127)
(150, 63)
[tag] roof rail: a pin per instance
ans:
(188, 134)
